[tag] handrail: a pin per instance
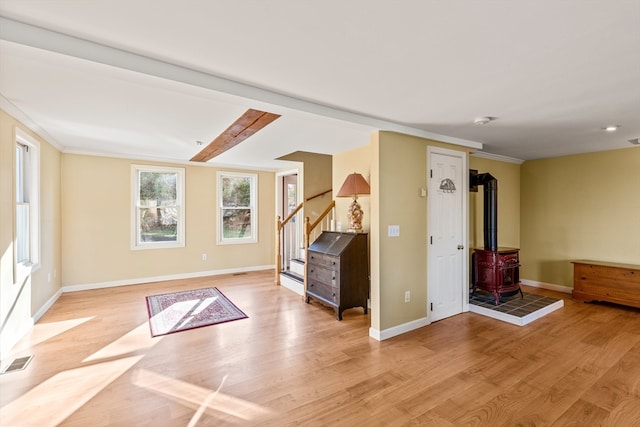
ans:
(319, 194)
(320, 218)
(293, 212)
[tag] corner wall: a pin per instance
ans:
(22, 298)
(579, 207)
(508, 176)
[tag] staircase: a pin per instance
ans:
(290, 272)
(293, 278)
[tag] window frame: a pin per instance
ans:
(253, 207)
(136, 242)
(31, 189)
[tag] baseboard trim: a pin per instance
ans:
(46, 306)
(550, 286)
(139, 281)
(398, 330)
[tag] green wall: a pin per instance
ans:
(579, 207)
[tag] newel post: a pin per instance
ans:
(278, 254)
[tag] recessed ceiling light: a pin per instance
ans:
(483, 120)
(612, 128)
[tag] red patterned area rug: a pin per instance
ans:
(179, 311)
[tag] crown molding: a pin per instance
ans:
(498, 157)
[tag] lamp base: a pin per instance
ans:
(355, 215)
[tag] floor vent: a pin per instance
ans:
(238, 274)
(17, 365)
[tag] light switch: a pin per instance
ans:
(394, 231)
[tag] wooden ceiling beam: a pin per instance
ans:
(245, 126)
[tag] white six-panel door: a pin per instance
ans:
(447, 292)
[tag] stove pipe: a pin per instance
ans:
(490, 185)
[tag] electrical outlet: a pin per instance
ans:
(407, 296)
(204, 257)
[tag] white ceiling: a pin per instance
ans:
(146, 79)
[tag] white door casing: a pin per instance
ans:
(447, 253)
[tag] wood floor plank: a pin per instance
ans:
(292, 363)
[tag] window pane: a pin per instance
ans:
(22, 233)
(236, 191)
(158, 188)
(236, 223)
(158, 207)
(159, 224)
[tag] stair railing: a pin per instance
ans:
(312, 231)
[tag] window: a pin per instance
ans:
(27, 180)
(237, 213)
(158, 207)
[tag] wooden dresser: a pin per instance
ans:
(606, 281)
(338, 271)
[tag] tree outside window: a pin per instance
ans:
(237, 208)
(159, 207)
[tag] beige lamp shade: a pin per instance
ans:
(354, 185)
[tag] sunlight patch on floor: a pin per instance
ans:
(134, 341)
(44, 331)
(67, 391)
(201, 399)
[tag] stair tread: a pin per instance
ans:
(293, 275)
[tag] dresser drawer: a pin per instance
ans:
(325, 275)
(324, 291)
(325, 260)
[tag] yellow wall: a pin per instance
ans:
(579, 207)
(97, 225)
(22, 297)
(508, 176)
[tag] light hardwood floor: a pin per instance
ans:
(291, 363)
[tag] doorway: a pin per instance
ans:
(288, 200)
(447, 254)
